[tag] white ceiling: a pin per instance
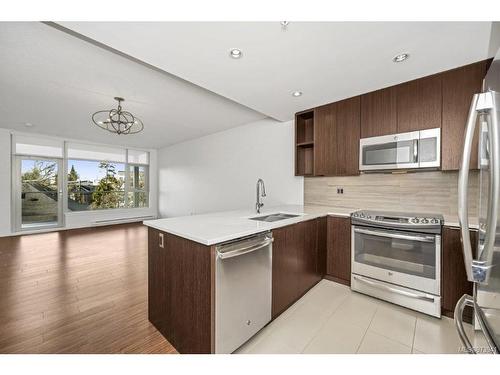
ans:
(328, 61)
(56, 81)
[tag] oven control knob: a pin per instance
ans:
(434, 221)
(362, 215)
(354, 215)
(425, 221)
(414, 220)
(369, 217)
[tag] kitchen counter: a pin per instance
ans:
(452, 221)
(217, 227)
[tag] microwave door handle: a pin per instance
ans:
(463, 186)
(415, 150)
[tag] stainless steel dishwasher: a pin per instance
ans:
(243, 285)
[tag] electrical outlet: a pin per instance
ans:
(340, 190)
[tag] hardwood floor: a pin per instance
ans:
(77, 291)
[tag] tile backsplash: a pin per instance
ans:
(426, 192)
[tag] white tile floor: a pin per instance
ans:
(331, 318)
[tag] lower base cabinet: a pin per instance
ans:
(338, 260)
(454, 283)
(297, 262)
(180, 291)
(181, 276)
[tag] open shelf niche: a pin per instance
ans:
(304, 143)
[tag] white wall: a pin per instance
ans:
(5, 182)
(219, 171)
(71, 219)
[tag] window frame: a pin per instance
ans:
(128, 189)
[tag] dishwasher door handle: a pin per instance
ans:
(245, 250)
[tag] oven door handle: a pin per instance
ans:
(429, 239)
(374, 284)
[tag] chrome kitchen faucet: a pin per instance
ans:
(261, 192)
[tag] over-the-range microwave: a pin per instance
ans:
(418, 149)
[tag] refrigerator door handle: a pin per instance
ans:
(463, 185)
(481, 266)
(464, 301)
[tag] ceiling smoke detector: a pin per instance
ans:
(401, 57)
(235, 53)
(297, 93)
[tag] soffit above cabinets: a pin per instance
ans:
(326, 61)
(56, 81)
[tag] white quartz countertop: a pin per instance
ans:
(217, 227)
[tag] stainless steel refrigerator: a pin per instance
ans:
(482, 262)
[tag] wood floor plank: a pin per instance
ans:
(77, 291)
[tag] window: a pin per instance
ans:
(103, 178)
(137, 180)
(98, 177)
(94, 185)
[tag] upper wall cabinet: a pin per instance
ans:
(327, 142)
(325, 132)
(304, 143)
(378, 113)
(459, 85)
(336, 138)
(347, 134)
(419, 104)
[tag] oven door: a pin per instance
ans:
(399, 151)
(404, 258)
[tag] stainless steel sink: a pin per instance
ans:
(274, 217)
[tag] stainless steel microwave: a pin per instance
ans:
(418, 149)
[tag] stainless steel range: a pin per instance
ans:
(397, 257)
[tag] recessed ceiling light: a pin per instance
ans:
(297, 93)
(235, 53)
(401, 57)
(28, 124)
(284, 25)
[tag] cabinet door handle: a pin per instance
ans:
(161, 243)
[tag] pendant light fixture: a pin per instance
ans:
(117, 120)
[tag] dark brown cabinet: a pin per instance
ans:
(454, 283)
(325, 142)
(437, 101)
(338, 262)
(284, 279)
(180, 291)
(459, 85)
(378, 113)
(347, 137)
(296, 263)
(419, 104)
(336, 138)
(304, 143)
(158, 281)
